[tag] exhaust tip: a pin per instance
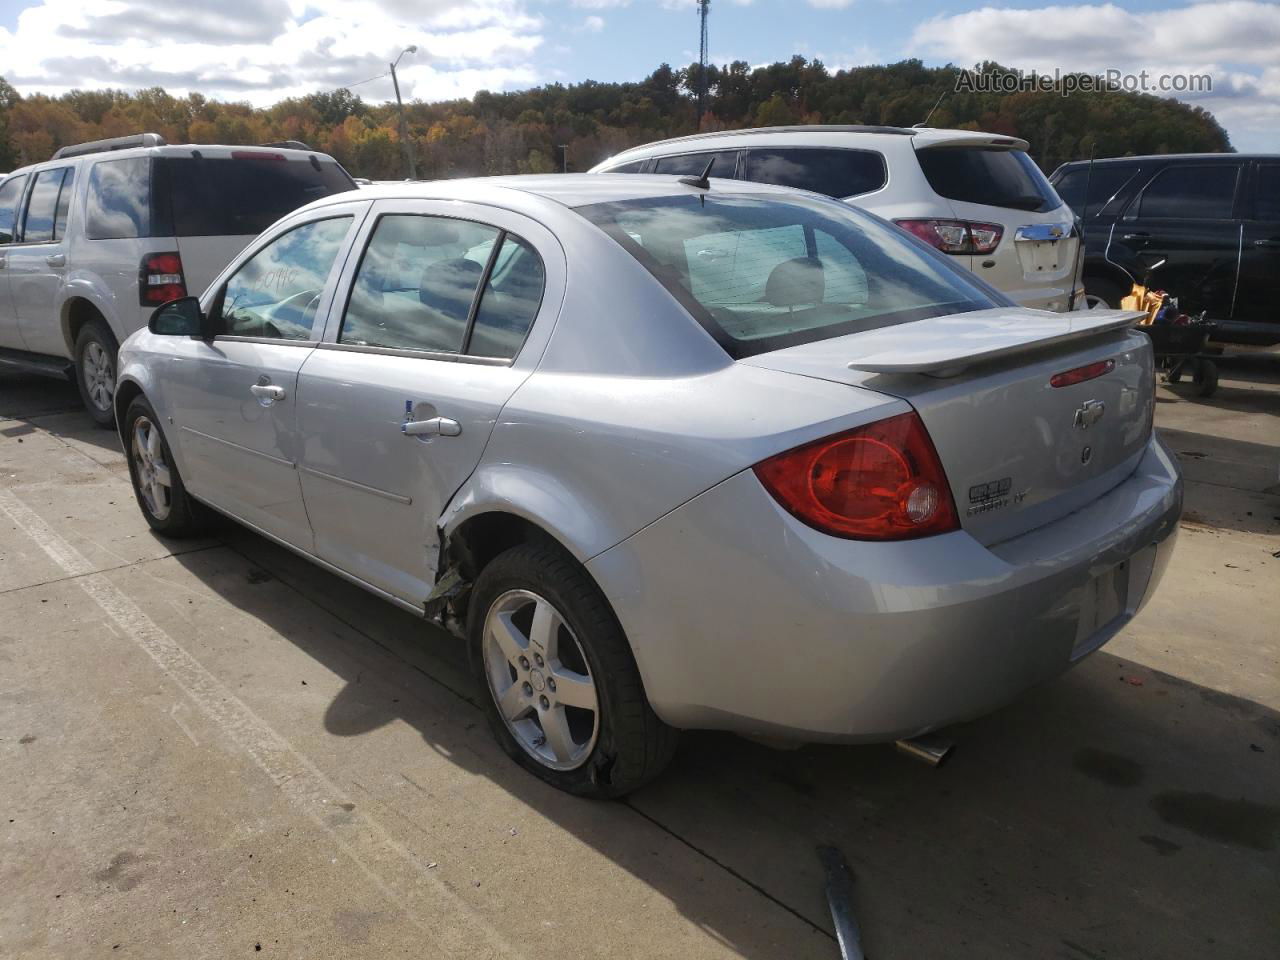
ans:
(927, 749)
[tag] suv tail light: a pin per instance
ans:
(160, 279)
(955, 236)
(882, 481)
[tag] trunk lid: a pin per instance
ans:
(1018, 451)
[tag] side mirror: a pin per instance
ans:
(178, 318)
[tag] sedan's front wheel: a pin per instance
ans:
(158, 486)
(565, 698)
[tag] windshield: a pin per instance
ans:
(990, 175)
(766, 273)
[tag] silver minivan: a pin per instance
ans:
(978, 197)
(92, 240)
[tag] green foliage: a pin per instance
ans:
(525, 131)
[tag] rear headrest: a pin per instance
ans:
(796, 282)
(450, 285)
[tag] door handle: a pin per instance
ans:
(56, 259)
(1137, 236)
(435, 427)
(1273, 242)
(267, 392)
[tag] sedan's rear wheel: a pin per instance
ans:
(158, 486)
(564, 695)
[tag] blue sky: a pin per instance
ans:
(261, 50)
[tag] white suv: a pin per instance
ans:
(94, 239)
(976, 196)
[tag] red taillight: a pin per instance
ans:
(160, 279)
(883, 481)
(955, 236)
(1090, 371)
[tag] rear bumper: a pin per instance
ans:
(744, 619)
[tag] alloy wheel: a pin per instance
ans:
(99, 375)
(540, 680)
(153, 478)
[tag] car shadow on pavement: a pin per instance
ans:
(1116, 811)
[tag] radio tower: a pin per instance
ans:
(704, 8)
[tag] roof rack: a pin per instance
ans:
(112, 143)
(287, 145)
(797, 128)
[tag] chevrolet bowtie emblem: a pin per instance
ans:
(1089, 413)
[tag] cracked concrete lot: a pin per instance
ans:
(214, 749)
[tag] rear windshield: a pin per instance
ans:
(988, 175)
(761, 274)
(241, 196)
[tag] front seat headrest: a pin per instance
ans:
(795, 282)
(450, 285)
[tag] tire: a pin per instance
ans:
(1108, 291)
(608, 753)
(1206, 378)
(95, 371)
(170, 511)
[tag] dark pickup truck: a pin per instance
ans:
(1214, 219)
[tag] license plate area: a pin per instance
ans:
(1040, 256)
(1104, 605)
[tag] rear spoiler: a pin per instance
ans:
(944, 346)
(976, 140)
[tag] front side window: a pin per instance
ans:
(836, 173)
(1189, 192)
(763, 274)
(416, 283)
(276, 293)
(723, 164)
(10, 194)
(1103, 183)
(1267, 204)
(119, 205)
(42, 206)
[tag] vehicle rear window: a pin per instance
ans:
(1103, 184)
(836, 173)
(761, 274)
(1267, 204)
(723, 164)
(988, 175)
(635, 166)
(119, 204)
(1190, 192)
(10, 194)
(241, 196)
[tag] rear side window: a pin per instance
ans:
(635, 166)
(1267, 204)
(276, 292)
(241, 196)
(836, 173)
(988, 175)
(1103, 184)
(1190, 192)
(510, 301)
(723, 164)
(119, 205)
(763, 274)
(10, 194)
(416, 282)
(42, 206)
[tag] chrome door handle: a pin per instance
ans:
(267, 392)
(435, 427)
(56, 259)
(1269, 242)
(1137, 236)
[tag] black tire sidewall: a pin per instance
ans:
(587, 614)
(96, 331)
(1107, 290)
(184, 516)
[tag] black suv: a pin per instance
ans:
(1213, 218)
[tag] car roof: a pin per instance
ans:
(819, 134)
(566, 189)
(216, 151)
(1173, 156)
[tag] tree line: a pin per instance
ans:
(574, 126)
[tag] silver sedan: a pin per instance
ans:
(667, 454)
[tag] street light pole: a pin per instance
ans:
(405, 143)
(564, 157)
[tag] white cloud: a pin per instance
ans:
(592, 24)
(265, 50)
(599, 4)
(1223, 40)
(831, 4)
